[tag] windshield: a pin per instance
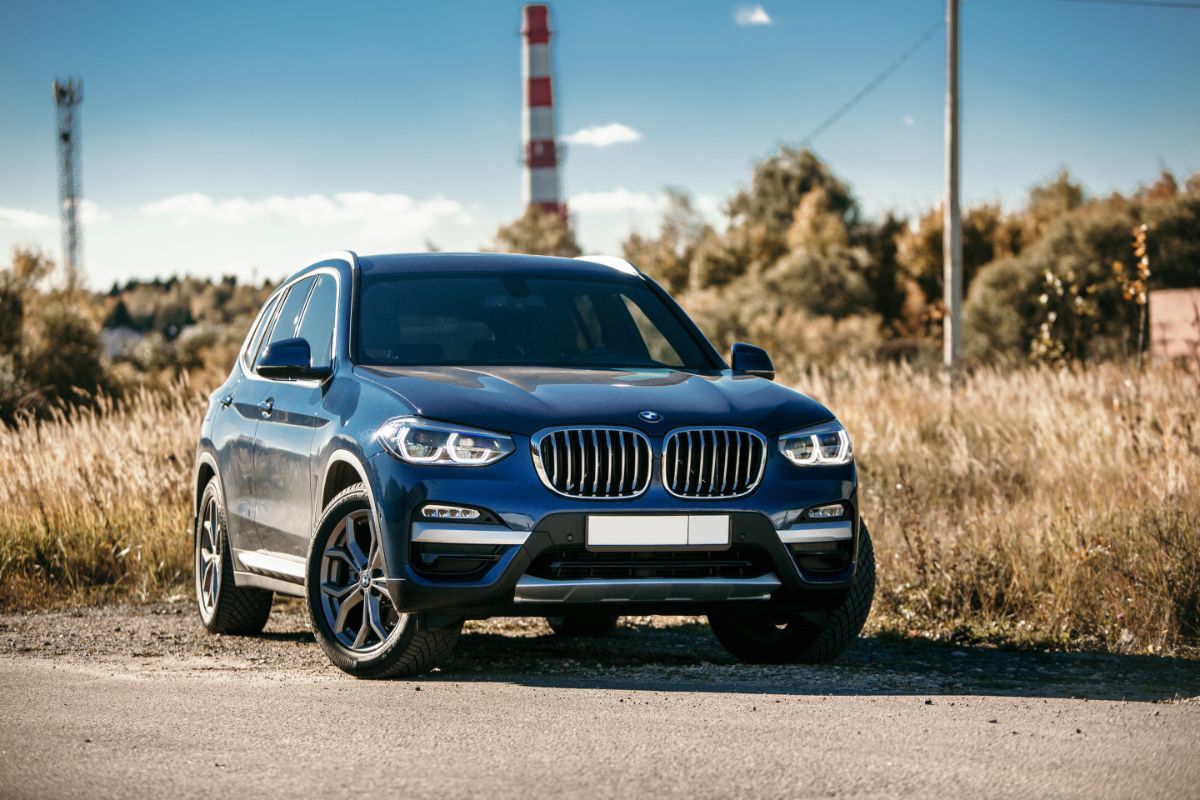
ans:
(469, 319)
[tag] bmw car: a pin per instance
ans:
(410, 441)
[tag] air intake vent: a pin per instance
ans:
(596, 463)
(713, 463)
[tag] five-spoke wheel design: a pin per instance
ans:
(354, 598)
(207, 566)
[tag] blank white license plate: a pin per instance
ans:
(617, 530)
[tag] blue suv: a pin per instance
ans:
(411, 441)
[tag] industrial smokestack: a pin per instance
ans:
(541, 184)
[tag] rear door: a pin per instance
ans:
(293, 415)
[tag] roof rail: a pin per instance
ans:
(613, 262)
(348, 256)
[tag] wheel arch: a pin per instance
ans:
(206, 470)
(343, 469)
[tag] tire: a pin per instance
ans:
(352, 616)
(597, 625)
(224, 606)
(798, 639)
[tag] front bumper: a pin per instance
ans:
(795, 565)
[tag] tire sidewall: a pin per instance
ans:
(212, 492)
(803, 640)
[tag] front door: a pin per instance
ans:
(292, 416)
(285, 479)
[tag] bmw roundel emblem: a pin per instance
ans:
(650, 416)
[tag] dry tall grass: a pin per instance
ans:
(1048, 506)
(1058, 506)
(96, 503)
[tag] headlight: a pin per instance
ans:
(420, 441)
(827, 443)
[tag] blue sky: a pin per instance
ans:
(248, 137)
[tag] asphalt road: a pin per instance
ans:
(139, 702)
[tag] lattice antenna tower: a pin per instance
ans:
(68, 95)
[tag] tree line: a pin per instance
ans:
(797, 267)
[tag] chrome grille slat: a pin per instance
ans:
(687, 474)
(608, 477)
(712, 477)
(725, 465)
(602, 463)
(708, 462)
(596, 464)
(567, 448)
(621, 484)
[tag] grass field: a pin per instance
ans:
(1030, 506)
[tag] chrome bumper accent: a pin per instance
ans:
(540, 590)
(442, 533)
(805, 532)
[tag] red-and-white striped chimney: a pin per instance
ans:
(541, 184)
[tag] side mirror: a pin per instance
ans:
(289, 359)
(752, 360)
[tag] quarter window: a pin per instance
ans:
(255, 341)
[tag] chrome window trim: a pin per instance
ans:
(252, 373)
(752, 486)
(535, 448)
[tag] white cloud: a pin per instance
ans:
(908, 120)
(374, 214)
(604, 135)
(613, 202)
(19, 218)
(751, 15)
(710, 206)
(90, 213)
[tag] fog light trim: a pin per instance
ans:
(827, 512)
(444, 511)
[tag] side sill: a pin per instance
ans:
(253, 580)
(270, 565)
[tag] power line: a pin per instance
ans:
(874, 83)
(1143, 3)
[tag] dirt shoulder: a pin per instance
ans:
(643, 652)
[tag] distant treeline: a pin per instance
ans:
(797, 267)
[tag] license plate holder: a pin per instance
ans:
(658, 532)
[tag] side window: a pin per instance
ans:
(319, 318)
(288, 318)
(256, 338)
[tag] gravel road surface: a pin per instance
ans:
(137, 702)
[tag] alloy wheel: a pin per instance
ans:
(354, 599)
(208, 559)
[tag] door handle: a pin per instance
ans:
(226, 401)
(266, 405)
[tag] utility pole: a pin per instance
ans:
(952, 254)
(68, 95)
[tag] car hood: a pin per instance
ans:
(526, 399)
